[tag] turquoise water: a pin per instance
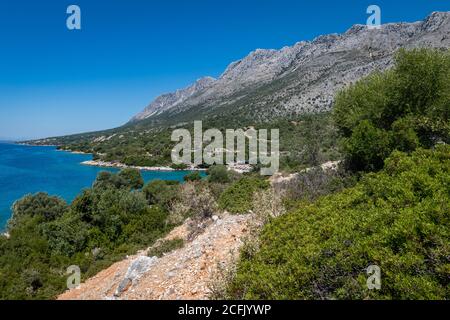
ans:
(27, 169)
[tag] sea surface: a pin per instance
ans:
(31, 169)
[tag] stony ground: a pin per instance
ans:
(185, 273)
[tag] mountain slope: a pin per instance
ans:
(170, 100)
(261, 89)
(304, 77)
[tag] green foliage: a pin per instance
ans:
(397, 219)
(67, 235)
(180, 166)
(132, 177)
(305, 140)
(162, 193)
(165, 246)
(238, 197)
(401, 109)
(40, 205)
(218, 174)
(101, 226)
(193, 176)
(127, 178)
(368, 146)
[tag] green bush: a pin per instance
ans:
(397, 219)
(193, 176)
(218, 174)
(132, 177)
(238, 197)
(40, 205)
(128, 178)
(401, 109)
(162, 193)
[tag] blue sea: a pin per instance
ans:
(31, 169)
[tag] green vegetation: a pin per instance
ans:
(165, 246)
(116, 217)
(218, 174)
(193, 176)
(388, 206)
(132, 177)
(395, 124)
(397, 219)
(402, 109)
(101, 226)
(305, 140)
(161, 193)
(238, 197)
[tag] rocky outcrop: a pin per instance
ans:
(136, 270)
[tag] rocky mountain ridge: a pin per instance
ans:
(303, 77)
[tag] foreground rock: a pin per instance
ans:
(186, 273)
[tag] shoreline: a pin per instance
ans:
(75, 152)
(118, 165)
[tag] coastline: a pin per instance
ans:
(74, 152)
(119, 165)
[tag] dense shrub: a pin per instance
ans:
(193, 176)
(106, 179)
(40, 205)
(132, 177)
(400, 109)
(238, 197)
(162, 193)
(218, 174)
(314, 183)
(397, 219)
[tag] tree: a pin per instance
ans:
(193, 176)
(368, 147)
(132, 177)
(396, 219)
(218, 174)
(162, 193)
(401, 109)
(127, 178)
(40, 205)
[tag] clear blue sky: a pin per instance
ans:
(54, 81)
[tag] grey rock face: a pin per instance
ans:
(303, 77)
(139, 266)
(170, 100)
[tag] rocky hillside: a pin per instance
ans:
(167, 101)
(303, 77)
(186, 273)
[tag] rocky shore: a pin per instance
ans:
(119, 165)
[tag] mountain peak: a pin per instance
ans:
(170, 100)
